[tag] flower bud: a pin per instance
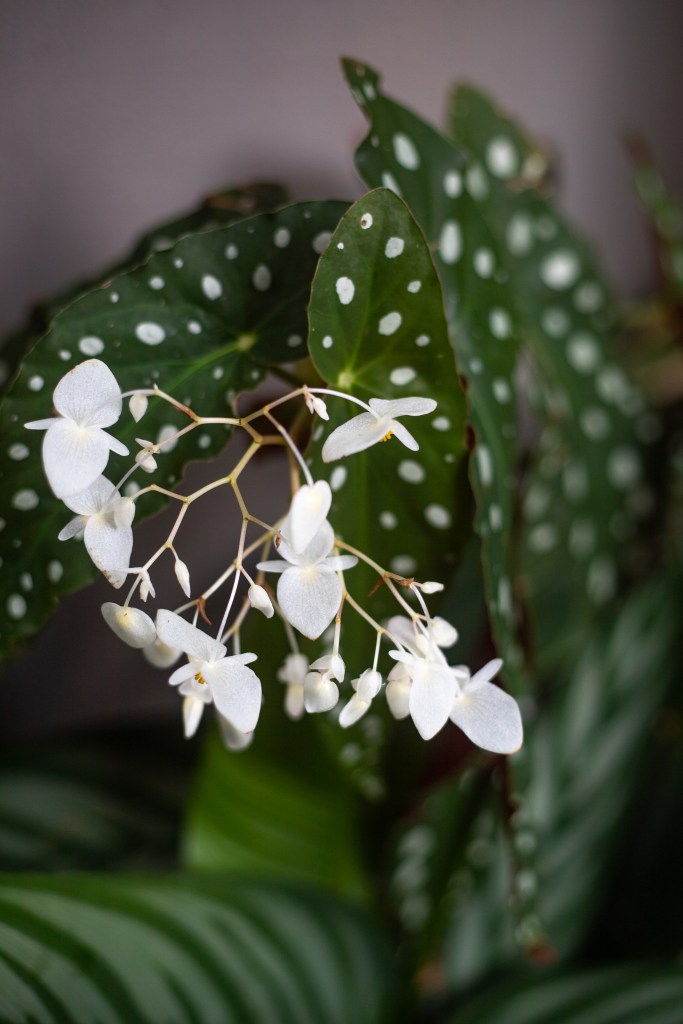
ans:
(315, 404)
(430, 587)
(258, 598)
(144, 457)
(138, 406)
(146, 586)
(442, 633)
(183, 576)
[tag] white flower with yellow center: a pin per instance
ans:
(486, 714)
(379, 423)
(210, 676)
(76, 447)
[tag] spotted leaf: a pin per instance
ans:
(203, 319)
(444, 192)
(378, 331)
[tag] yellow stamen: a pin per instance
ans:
(386, 437)
(199, 678)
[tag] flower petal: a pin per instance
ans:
(308, 512)
(319, 547)
(72, 528)
(431, 697)
(193, 708)
(93, 499)
(486, 674)
(109, 546)
(276, 565)
(352, 711)
(320, 693)
(131, 625)
(489, 717)
(160, 654)
(403, 435)
(89, 395)
(294, 702)
(236, 692)
(177, 632)
(402, 406)
(309, 599)
(182, 674)
(232, 738)
(398, 696)
(73, 456)
(355, 435)
(336, 563)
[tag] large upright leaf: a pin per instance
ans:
(203, 319)
(442, 190)
(378, 331)
(583, 492)
(159, 950)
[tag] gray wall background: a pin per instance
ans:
(115, 116)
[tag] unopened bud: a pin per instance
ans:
(138, 406)
(258, 598)
(183, 577)
(144, 457)
(146, 586)
(315, 404)
(430, 587)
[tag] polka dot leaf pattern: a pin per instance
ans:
(418, 499)
(206, 335)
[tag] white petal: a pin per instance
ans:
(309, 599)
(72, 528)
(161, 655)
(177, 632)
(294, 702)
(333, 664)
(258, 598)
(138, 406)
(401, 629)
(352, 711)
(320, 693)
(41, 424)
(369, 684)
(193, 709)
(89, 394)
(115, 445)
(73, 456)
(109, 546)
(402, 406)
(486, 674)
(294, 670)
(431, 698)
(319, 547)
(93, 499)
(442, 633)
(131, 625)
(124, 511)
(489, 717)
(182, 674)
(403, 435)
(355, 435)
(232, 738)
(337, 563)
(236, 691)
(307, 513)
(398, 697)
(276, 565)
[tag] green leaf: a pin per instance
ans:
(582, 758)
(147, 950)
(443, 192)
(112, 800)
(584, 490)
(204, 319)
(627, 994)
(378, 331)
(664, 213)
(222, 208)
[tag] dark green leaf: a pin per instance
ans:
(153, 950)
(204, 320)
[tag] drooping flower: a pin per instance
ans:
(487, 714)
(76, 447)
(307, 513)
(210, 675)
(321, 693)
(315, 404)
(379, 424)
(293, 674)
(309, 591)
(131, 625)
(259, 599)
(367, 686)
(104, 518)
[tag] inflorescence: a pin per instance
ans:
(311, 567)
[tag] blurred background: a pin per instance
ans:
(115, 117)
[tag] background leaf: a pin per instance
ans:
(204, 319)
(151, 950)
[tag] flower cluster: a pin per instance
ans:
(310, 565)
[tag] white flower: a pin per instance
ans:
(104, 518)
(211, 675)
(320, 692)
(307, 513)
(367, 686)
(76, 447)
(377, 425)
(309, 591)
(131, 625)
(332, 663)
(161, 655)
(486, 714)
(293, 675)
(258, 598)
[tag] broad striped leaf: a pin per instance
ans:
(155, 950)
